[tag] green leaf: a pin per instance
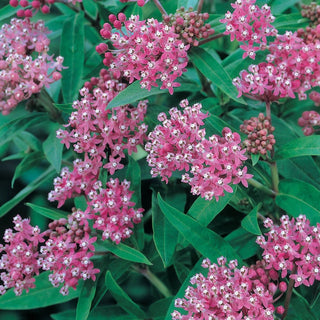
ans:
(85, 299)
(52, 148)
(47, 175)
(205, 211)
(32, 141)
(214, 71)
(134, 93)
(64, 107)
(187, 4)
(134, 176)
(72, 49)
(50, 213)
(125, 252)
(255, 158)
(279, 6)
(122, 298)
(304, 146)
(91, 8)
(158, 310)
(43, 295)
(299, 309)
(81, 203)
(215, 125)
(250, 222)
(7, 12)
(293, 22)
(298, 197)
(29, 161)
(165, 236)
(207, 242)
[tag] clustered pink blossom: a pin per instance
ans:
(33, 6)
(291, 68)
(293, 249)
(312, 12)
(144, 50)
(259, 134)
(308, 121)
(309, 35)
(180, 144)
(140, 3)
(250, 24)
(190, 25)
(315, 97)
(68, 250)
(228, 292)
(20, 256)
(112, 210)
(24, 62)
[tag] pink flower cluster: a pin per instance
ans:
(68, 250)
(250, 24)
(140, 3)
(292, 248)
(292, 67)
(144, 50)
(308, 121)
(228, 292)
(24, 62)
(112, 210)
(20, 256)
(180, 144)
(315, 97)
(33, 6)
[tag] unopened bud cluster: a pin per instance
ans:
(308, 121)
(312, 12)
(309, 34)
(190, 25)
(260, 138)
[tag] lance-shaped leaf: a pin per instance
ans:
(85, 300)
(250, 222)
(50, 213)
(52, 148)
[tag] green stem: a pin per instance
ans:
(261, 187)
(162, 288)
(160, 7)
(274, 176)
(200, 4)
(47, 103)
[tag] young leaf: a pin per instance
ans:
(250, 222)
(207, 242)
(134, 176)
(85, 299)
(122, 298)
(52, 148)
(91, 8)
(50, 213)
(72, 49)
(255, 158)
(298, 197)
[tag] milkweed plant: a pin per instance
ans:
(160, 159)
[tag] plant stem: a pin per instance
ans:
(47, 103)
(261, 187)
(162, 288)
(288, 297)
(160, 7)
(200, 4)
(217, 36)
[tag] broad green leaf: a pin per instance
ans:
(250, 222)
(122, 297)
(29, 161)
(207, 242)
(91, 8)
(205, 211)
(50, 213)
(214, 71)
(72, 49)
(293, 22)
(7, 12)
(134, 93)
(125, 252)
(52, 148)
(255, 158)
(304, 146)
(158, 310)
(85, 299)
(299, 309)
(81, 203)
(43, 295)
(165, 236)
(297, 197)
(49, 174)
(181, 270)
(279, 6)
(31, 140)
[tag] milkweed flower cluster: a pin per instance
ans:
(309, 35)
(308, 121)
(291, 68)
(24, 62)
(312, 12)
(250, 24)
(144, 50)
(293, 249)
(260, 138)
(190, 25)
(180, 144)
(228, 292)
(315, 97)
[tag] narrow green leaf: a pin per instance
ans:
(205, 211)
(81, 203)
(122, 298)
(300, 310)
(43, 295)
(72, 49)
(134, 93)
(298, 197)
(91, 8)
(85, 299)
(181, 270)
(125, 252)
(29, 161)
(214, 71)
(207, 242)
(52, 148)
(279, 6)
(215, 125)
(64, 107)
(47, 175)
(255, 158)
(304, 146)
(7, 12)
(250, 222)
(292, 21)
(159, 308)
(50, 213)
(31, 140)
(134, 176)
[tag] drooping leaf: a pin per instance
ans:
(52, 148)
(250, 222)
(72, 49)
(50, 213)
(85, 299)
